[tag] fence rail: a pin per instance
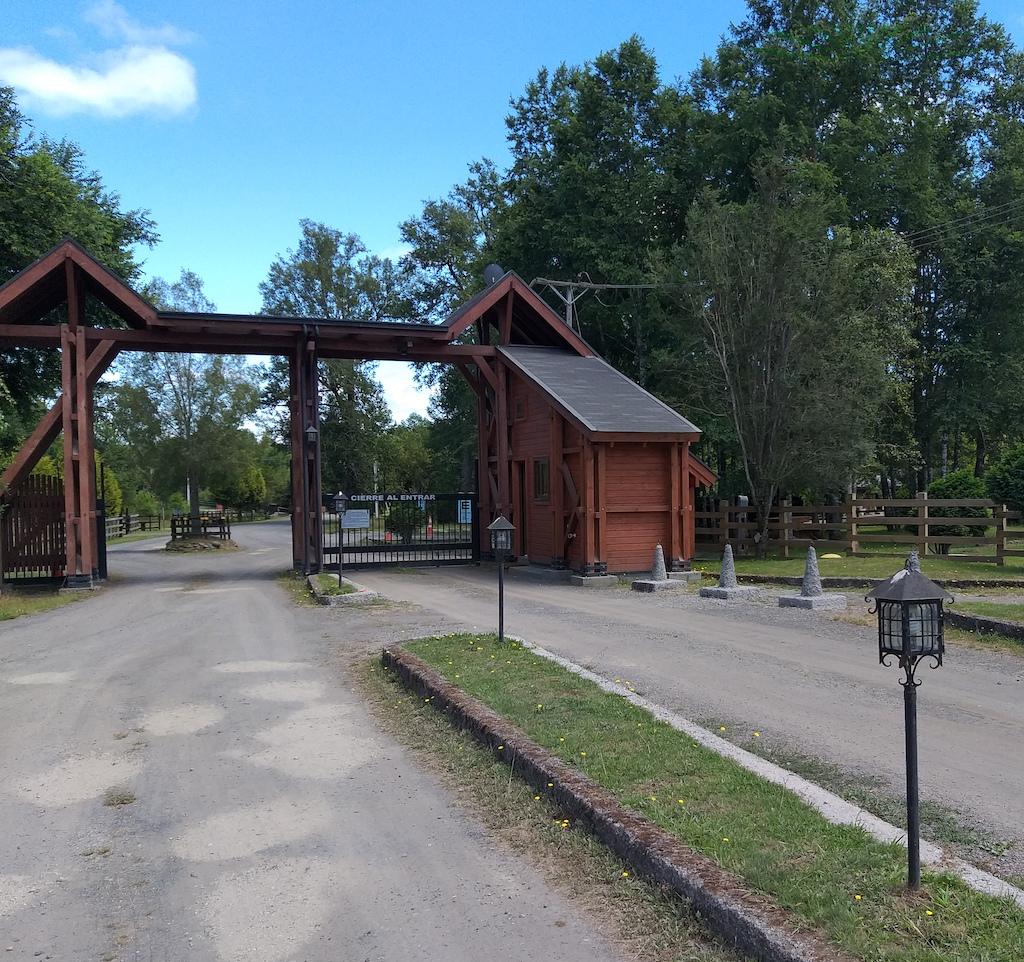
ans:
(913, 522)
(119, 525)
(207, 525)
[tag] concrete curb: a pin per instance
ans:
(983, 624)
(851, 582)
(361, 596)
(742, 919)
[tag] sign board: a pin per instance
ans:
(393, 497)
(355, 519)
(465, 512)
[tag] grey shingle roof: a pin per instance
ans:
(601, 398)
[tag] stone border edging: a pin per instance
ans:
(984, 624)
(742, 919)
(361, 596)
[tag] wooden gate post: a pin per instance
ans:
(723, 524)
(1000, 516)
(851, 524)
(922, 528)
(786, 526)
(79, 461)
(307, 496)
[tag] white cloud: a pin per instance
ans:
(141, 76)
(114, 22)
(127, 81)
(403, 394)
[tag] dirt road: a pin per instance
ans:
(254, 813)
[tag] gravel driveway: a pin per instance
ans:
(188, 775)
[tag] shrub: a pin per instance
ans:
(404, 519)
(1005, 479)
(145, 503)
(957, 484)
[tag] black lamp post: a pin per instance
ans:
(909, 608)
(501, 544)
(340, 500)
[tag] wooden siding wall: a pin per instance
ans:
(639, 496)
(531, 440)
(621, 499)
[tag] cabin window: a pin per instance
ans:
(541, 479)
(520, 409)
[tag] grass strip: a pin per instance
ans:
(32, 603)
(941, 568)
(992, 609)
(835, 878)
(646, 922)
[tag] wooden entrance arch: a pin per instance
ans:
(507, 342)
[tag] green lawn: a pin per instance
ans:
(992, 609)
(834, 878)
(935, 566)
(14, 605)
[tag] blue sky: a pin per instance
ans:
(231, 120)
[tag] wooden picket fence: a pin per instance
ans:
(32, 540)
(897, 523)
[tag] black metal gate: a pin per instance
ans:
(403, 529)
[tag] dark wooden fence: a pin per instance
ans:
(119, 525)
(208, 525)
(32, 540)
(851, 527)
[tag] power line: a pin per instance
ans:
(966, 224)
(569, 292)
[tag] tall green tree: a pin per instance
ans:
(915, 107)
(329, 274)
(199, 404)
(802, 317)
(47, 192)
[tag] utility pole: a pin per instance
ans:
(569, 292)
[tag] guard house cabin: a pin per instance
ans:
(591, 469)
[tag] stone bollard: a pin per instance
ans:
(728, 587)
(659, 579)
(811, 594)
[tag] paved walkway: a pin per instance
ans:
(272, 821)
(806, 682)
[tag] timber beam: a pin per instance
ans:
(101, 356)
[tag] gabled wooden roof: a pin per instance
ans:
(532, 320)
(43, 285)
(594, 395)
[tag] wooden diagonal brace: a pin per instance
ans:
(46, 431)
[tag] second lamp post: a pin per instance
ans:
(501, 544)
(909, 608)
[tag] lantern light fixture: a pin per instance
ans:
(501, 544)
(909, 609)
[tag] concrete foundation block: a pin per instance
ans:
(729, 594)
(825, 601)
(593, 581)
(648, 584)
(687, 577)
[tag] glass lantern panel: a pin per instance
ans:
(501, 540)
(923, 628)
(890, 624)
